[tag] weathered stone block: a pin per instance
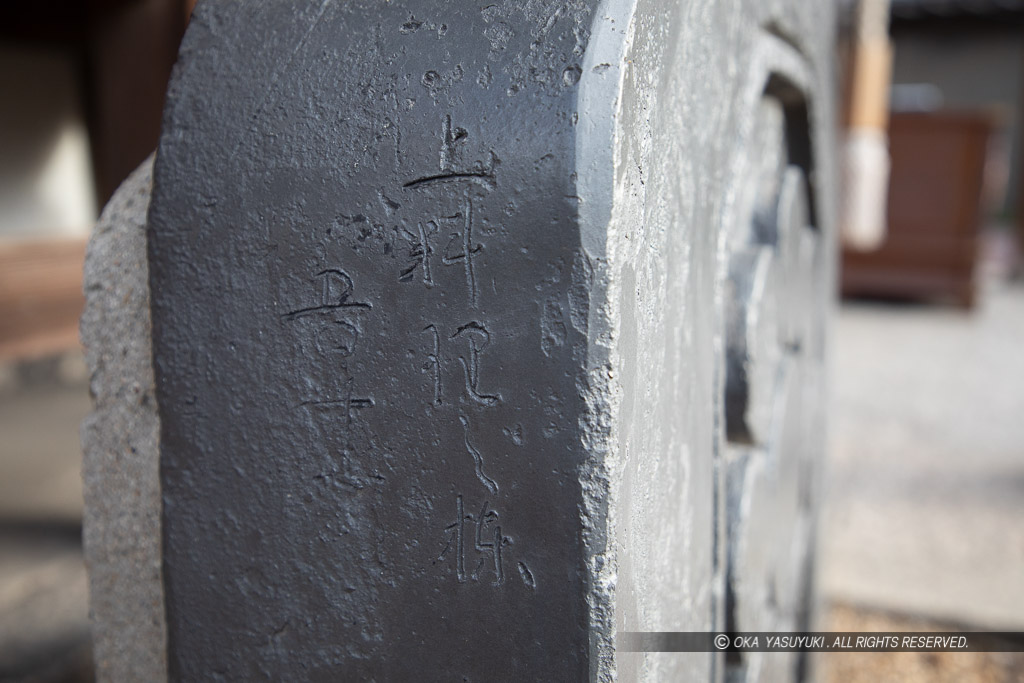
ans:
(484, 333)
(120, 440)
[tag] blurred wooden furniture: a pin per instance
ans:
(938, 162)
(40, 296)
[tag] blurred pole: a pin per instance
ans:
(865, 154)
(131, 49)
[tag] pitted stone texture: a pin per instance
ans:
(361, 240)
(120, 438)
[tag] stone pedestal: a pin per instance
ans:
(121, 440)
(484, 333)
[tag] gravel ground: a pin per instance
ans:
(925, 495)
(909, 667)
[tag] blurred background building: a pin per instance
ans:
(81, 92)
(925, 519)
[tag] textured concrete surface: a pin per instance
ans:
(926, 482)
(119, 440)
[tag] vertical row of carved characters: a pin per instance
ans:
(473, 542)
(330, 322)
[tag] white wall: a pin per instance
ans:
(46, 184)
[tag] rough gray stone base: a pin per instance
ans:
(120, 467)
